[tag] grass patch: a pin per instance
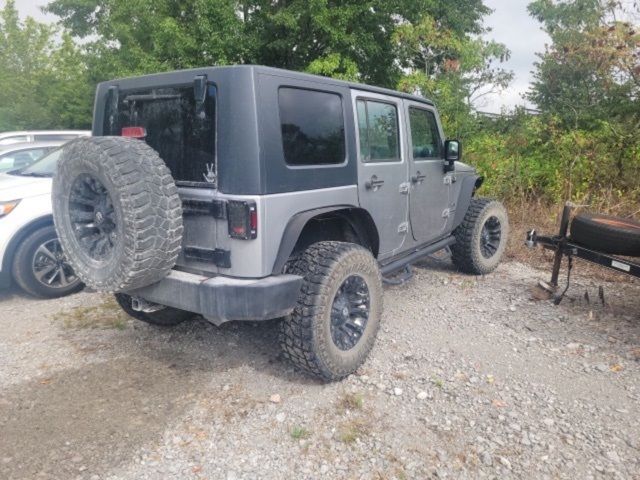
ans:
(105, 315)
(350, 401)
(299, 432)
(350, 431)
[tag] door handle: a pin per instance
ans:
(418, 177)
(374, 183)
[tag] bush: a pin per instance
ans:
(531, 158)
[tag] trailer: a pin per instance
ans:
(564, 244)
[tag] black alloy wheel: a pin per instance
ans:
(50, 266)
(350, 312)
(490, 237)
(93, 217)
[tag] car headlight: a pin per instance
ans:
(7, 207)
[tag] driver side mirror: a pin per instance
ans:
(452, 153)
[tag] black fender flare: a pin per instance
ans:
(470, 184)
(294, 228)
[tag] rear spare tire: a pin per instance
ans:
(117, 212)
(607, 234)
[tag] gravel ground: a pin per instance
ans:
(470, 378)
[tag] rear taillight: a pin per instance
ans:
(243, 219)
(134, 132)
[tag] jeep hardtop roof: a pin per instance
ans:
(157, 79)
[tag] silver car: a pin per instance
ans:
(9, 138)
(21, 155)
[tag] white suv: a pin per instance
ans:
(30, 253)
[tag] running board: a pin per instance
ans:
(415, 255)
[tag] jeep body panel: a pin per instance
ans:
(250, 167)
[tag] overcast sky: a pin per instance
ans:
(510, 25)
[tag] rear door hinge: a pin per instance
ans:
(403, 227)
(446, 213)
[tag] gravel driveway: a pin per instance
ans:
(470, 378)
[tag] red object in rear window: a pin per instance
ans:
(134, 132)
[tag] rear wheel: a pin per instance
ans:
(166, 317)
(334, 325)
(481, 238)
(41, 268)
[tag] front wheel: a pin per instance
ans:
(332, 329)
(41, 268)
(481, 238)
(166, 317)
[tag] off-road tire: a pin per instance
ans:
(466, 253)
(607, 234)
(305, 334)
(22, 268)
(146, 206)
(167, 317)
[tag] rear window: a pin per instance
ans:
(312, 127)
(179, 130)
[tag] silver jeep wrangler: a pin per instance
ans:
(252, 193)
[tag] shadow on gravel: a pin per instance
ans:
(93, 419)
(89, 419)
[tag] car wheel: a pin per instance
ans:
(166, 317)
(481, 238)
(334, 325)
(41, 268)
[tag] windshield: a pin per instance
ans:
(45, 167)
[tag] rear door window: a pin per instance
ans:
(52, 137)
(312, 125)
(182, 132)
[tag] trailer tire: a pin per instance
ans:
(607, 234)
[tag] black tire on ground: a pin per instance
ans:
(607, 234)
(314, 336)
(117, 212)
(481, 238)
(39, 267)
(167, 317)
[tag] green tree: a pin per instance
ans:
(591, 71)
(344, 38)
(43, 82)
(451, 68)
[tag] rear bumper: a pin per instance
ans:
(220, 299)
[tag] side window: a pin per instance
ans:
(52, 137)
(312, 125)
(425, 138)
(378, 127)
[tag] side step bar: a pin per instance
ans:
(415, 255)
